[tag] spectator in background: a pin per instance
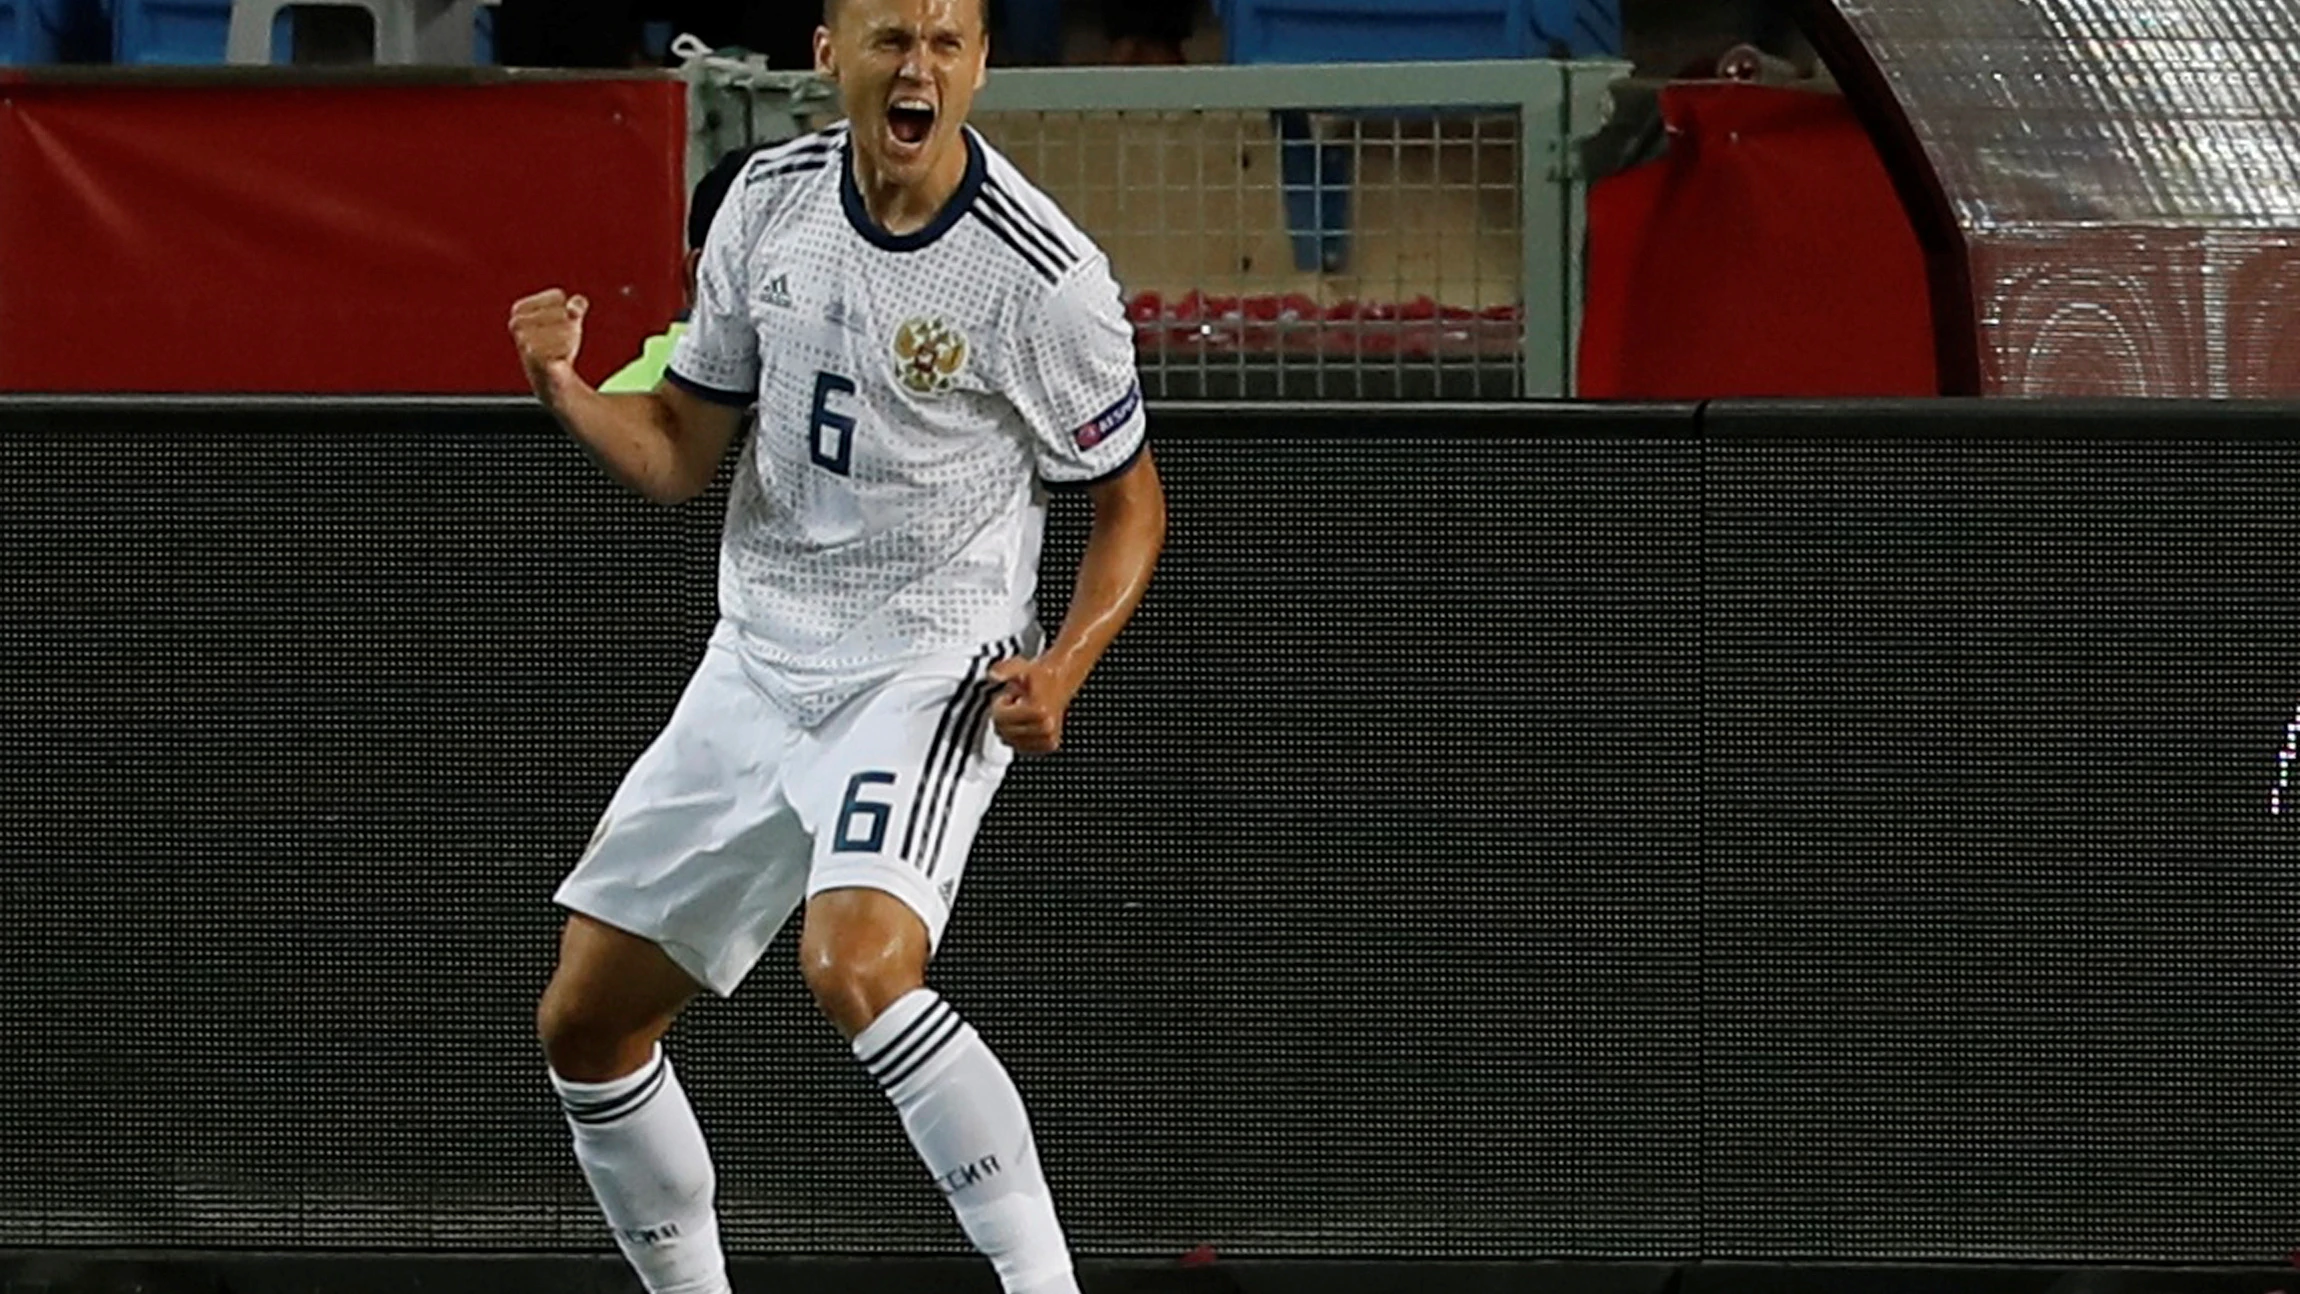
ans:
(1687, 39)
(644, 372)
(1148, 31)
(1027, 33)
(1032, 33)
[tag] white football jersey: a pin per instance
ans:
(917, 393)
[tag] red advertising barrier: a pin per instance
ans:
(251, 234)
(1766, 255)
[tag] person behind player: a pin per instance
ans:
(645, 370)
(931, 344)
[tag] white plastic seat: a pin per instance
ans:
(436, 32)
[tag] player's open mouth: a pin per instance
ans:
(910, 121)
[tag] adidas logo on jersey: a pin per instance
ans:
(778, 291)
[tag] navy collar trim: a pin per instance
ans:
(953, 211)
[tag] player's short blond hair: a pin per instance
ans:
(831, 13)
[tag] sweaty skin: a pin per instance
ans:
(930, 54)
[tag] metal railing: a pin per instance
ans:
(1406, 230)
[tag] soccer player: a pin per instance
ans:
(931, 345)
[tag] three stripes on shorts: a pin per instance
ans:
(955, 738)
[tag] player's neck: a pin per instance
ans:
(906, 209)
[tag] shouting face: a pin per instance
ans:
(907, 71)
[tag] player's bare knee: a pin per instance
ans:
(860, 951)
(583, 1040)
(561, 1027)
(611, 998)
(854, 980)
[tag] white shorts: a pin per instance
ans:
(736, 814)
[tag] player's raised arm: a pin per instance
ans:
(1077, 387)
(665, 442)
(1129, 532)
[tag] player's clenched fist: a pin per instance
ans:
(1031, 700)
(548, 328)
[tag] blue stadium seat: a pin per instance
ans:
(176, 32)
(1390, 31)
(181, 32)
(31, 33)
(1317, 177)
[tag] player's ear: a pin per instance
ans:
(825, 63)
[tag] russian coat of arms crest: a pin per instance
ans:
(928, 354)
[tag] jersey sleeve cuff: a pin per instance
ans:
(714, 394)
(1089, 482)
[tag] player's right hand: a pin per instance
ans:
(548, 328)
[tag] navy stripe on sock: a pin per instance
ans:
(616, 1107)
(600, 1103)
(930, 1039)
(935, 1012)
(934, 1047)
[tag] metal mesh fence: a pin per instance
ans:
(1330, 255)
(1392, 231)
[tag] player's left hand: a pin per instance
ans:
(1032, 697)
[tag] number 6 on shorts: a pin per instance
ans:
(874, 814)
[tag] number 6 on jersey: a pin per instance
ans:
(839, 456)
(874, 815)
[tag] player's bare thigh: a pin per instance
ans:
(861, 950)
(610, 1000)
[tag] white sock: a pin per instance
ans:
(970, 1129)
(643, 1153)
